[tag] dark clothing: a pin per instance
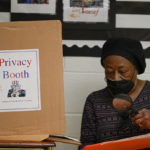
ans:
(100, 120)
(130, 49)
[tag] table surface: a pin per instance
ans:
(26, 144)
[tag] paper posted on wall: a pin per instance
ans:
(64, 139)
(86, 10)
(19, 80)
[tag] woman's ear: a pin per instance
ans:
(135, 73)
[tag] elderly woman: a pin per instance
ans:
(105, 119)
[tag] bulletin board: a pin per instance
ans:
(84, 20)
(79, 17)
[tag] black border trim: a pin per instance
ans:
(90, 52)
(5, 6)
(139, 34)
(142, 8)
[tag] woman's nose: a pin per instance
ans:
(117, 76)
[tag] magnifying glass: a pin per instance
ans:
(123, 104)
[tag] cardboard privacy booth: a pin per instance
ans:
(31, 80)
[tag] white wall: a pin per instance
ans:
(82, 75)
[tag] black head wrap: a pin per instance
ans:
(127, 48)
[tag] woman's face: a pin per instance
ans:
(119, 68)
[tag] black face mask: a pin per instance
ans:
(120, 87)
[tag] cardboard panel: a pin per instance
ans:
(47, 37)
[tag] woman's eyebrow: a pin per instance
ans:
(122, 66)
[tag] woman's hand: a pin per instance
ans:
(142, 119)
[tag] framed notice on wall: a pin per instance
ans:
(86, 16)
(34, 6)
(19, 80)
(86, 11)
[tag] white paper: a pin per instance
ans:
(19, 80)
(85, 10)
(47, 8)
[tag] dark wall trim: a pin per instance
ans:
(4, 5)
(84, 51)
(31, 17)
(133, 8)
(90, 52)
(139, 34)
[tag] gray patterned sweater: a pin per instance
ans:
(100, 120)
